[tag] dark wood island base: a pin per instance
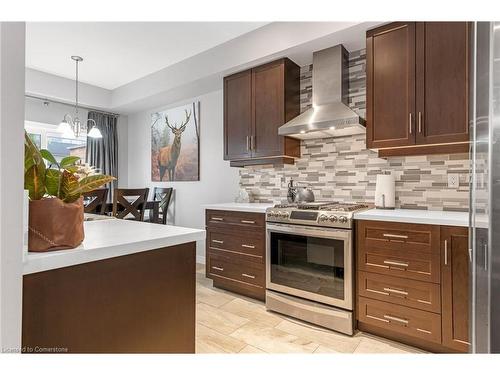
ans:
(138, 303)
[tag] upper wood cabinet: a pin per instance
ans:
(390, 101)
(418, 87)
(455, 288)
(256, 103)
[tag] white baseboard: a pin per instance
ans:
(200, 259)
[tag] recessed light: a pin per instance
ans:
(302, 131)
(332, 127)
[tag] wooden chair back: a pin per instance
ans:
(123, 207)
(164, 195)
(95, 201)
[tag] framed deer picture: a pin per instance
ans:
(175, 144)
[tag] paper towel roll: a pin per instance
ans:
(385, 196)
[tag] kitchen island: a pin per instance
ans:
(128, 288)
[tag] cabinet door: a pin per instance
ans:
(442, 82)
(455, 288)
(390, 71)
(268, 109)
(237, 115)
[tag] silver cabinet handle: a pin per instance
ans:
(485, 256)
(394, 263)
(252, 142)
(217, 241)
(247, 221)
(445, 252)
(218, 268)
(248, 143)
(217, 218)
(248, 246)
(396, 291)
(410, 120)
(420, 122)
(394, 235)
(247, 275)
(400, 320)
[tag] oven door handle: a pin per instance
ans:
(300, 230)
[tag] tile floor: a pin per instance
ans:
(229, 323)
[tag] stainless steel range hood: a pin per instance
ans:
(329, 116)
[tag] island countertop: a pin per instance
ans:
(112, 238)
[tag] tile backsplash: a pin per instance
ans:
(344, 169)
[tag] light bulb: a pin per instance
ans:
(63, 126)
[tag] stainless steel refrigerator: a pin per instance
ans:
(485, 191)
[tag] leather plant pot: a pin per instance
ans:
(55, 225)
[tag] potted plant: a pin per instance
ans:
(55, 192)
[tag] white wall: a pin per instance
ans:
(218, 182)
(12, 41)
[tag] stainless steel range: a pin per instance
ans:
(309, 270)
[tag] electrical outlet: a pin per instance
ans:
(453, 180)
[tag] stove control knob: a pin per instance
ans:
(285, 215)
(323, 217)
(332, 218)
(343, 219)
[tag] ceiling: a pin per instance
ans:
(116, 53)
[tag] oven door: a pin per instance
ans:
(310, 262)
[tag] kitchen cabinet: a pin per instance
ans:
(412, 283)
(256, 103)
(455, 287)
(418, 88)
(235, 251)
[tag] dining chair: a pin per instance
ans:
(163, 195)
(95, 201)
(130, 202)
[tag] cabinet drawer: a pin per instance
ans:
(219, 218)
(402, 250)
(221, 265)
(405, 292)
(404, 320)
(248, 243)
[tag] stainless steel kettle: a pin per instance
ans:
(304, 194)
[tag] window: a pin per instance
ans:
(46, 136)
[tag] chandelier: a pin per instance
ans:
(72, 127)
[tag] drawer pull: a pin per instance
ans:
(395, 236)
(445, 252)
(218, 268)
(377, 318)
(248, 246)
(423, 331)
(394, 263)
(247, 275)
(393, 318)
(218, 241)
(396, 291)
(217, 218)
(247, 221)
(376, 291)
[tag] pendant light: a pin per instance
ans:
(72, 127)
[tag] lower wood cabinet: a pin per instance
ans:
(455, 287)
(412, 284)
(235, 251)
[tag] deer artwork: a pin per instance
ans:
(167, 156)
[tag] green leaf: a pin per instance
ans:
(69, 161)
(69, 187)
(34, 169)
(53, 182)
(93, 182)
(47, 155)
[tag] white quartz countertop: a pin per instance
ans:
(246, 207)
(400, 215)
(112, 238)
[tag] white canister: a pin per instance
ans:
(385, 196)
